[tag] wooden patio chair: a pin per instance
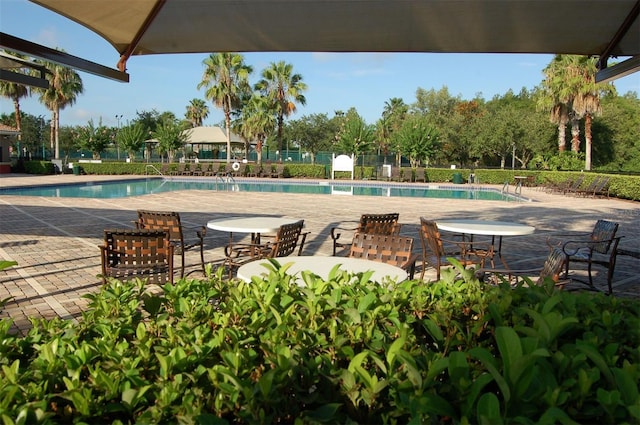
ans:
(551, 269)
(165, 169)
(170, 222)
(420, 175)
(287, 239)
(597, 248)
(144, 254)
(255, 170)
(384, 224)
(589, 188)
(196, 169)
(278, 171)
(209, 169)
(574, 186)
(391, 249)
(400, 174)
(598, 187)
(178, 170)
(436, 250)
(603, 188)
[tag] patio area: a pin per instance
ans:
(55, 240)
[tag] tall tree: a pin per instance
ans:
(284, 89)
(313, 133)
(571, 91)
(170, 137)
(197, 112)
(355, 135)
(64, 87)
(15, 92)
(259, 121)
(586, 102)
(416, 139)
(393, 115)
(132, 138)
(226, 83)
(555, 95)
(95, 138)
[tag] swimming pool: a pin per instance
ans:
(121, 189)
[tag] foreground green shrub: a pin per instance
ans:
(343, 350)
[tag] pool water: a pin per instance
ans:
(121, 189)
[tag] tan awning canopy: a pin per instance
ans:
(604, 28)
(210, 135)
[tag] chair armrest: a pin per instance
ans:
(335, 235)
(572, 247)
(201, 231)
(248, 249)
(467, 246)
(303, 238)
(410, 265)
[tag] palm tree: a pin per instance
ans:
(197, 112)
(393, 115)
(15, 92)
(258, 120)
(226, 80)
(64, 86)
(571, 88)
(586, 102)
(284, 89)
(555, 97)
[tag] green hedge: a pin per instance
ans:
(345, 350)
(38, 167)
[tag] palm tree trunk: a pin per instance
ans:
(227, 123)
(280, 128)
(52, 126)
(16, 107)
(588, 141)
(259, 150)
(57, 133)
(562, 137)
(575, 135)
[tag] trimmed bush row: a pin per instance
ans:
(345, 350)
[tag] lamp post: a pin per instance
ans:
(118, 117)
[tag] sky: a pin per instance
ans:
(336, 81)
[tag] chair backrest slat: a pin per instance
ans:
(604, 231)
(553, 265)
(140, 253)
(390, 249)
(383, 224)
(169, 221)
(287, 239)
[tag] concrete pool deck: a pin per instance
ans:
(55, 240)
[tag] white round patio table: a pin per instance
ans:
(487, 228)
(256, 225)
(252, 224)
(322, 265)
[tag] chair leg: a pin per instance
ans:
(182, 263)
(202, 258)
(590, 276)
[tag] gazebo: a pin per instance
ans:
(204, 139)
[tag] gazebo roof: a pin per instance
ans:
(7, 130)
